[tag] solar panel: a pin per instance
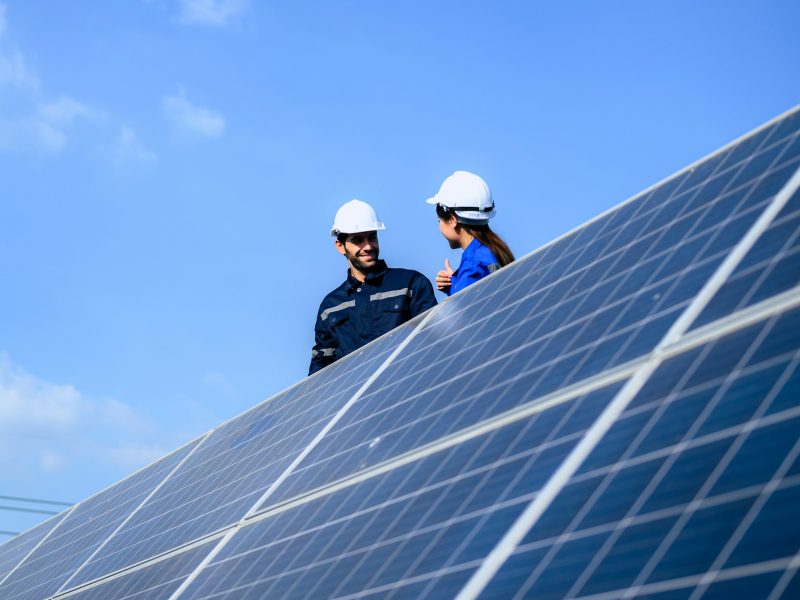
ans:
(234, 464)
(83, 530)
(615, 415)
(16, 549)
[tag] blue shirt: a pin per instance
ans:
(477, 262)
(356, 313)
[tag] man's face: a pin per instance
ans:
(361, 249)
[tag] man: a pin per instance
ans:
(373, 299)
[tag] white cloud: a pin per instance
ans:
(212, 13)
(31, 119)
(128, 149)
(42, 126)
(65, 110)
(27, 402)
(189, 120)
(14, 72)
(61, 428)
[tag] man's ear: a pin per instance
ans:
(339, 246)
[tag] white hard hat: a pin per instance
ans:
(468, 196)
(355, 216)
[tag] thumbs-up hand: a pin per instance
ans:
(443, 277)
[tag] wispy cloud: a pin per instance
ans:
(65, 110)
(14, 73)
(190, 121)
(129, 149)
(211, 13)
(30, 118)
(59, 427)
(43, 125)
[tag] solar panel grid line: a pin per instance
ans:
(565, 418)
(764, 495)
(751, 426)
(559, 479)
(438, 529)
(87, 526)
(664, 469)
(359, 500)
(787, 248)
(141, 546)
(455, 439)
(683, 446)
(39, 543)
(601, 490)
(299, 458)
(734, 321)
(484, 473)
(122, 524)
(101, 581)
(787, 576)
(730, 574)
(722, 499)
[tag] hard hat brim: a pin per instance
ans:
(379, 226)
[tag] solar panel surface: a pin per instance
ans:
(83, 530)
(622, 423)
(236, 463)
(15, 550)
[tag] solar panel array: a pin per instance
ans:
(615, 415)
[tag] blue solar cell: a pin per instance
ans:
(14, 550)
(757, 586)
(231, 469)
(83, 531)
(772, 535)
(430, 521)
(692, 479)
(156, 581)
(771, 267)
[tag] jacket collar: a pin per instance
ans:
(373, 277)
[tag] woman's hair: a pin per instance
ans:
(491, 240)
(483, 234)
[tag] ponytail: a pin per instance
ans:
(491, 240)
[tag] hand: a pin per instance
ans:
(443, 277)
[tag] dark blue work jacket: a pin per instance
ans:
(477, 261)
(356, 313)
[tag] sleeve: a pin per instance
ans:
(422, 297)
(468, 274)
(324, 350)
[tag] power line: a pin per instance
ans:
(12, 533)
(35, 500)
(29, 510)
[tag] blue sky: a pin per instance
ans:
(170, 170)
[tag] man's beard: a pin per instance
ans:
(359, 265)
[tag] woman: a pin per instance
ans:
(464, 206)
